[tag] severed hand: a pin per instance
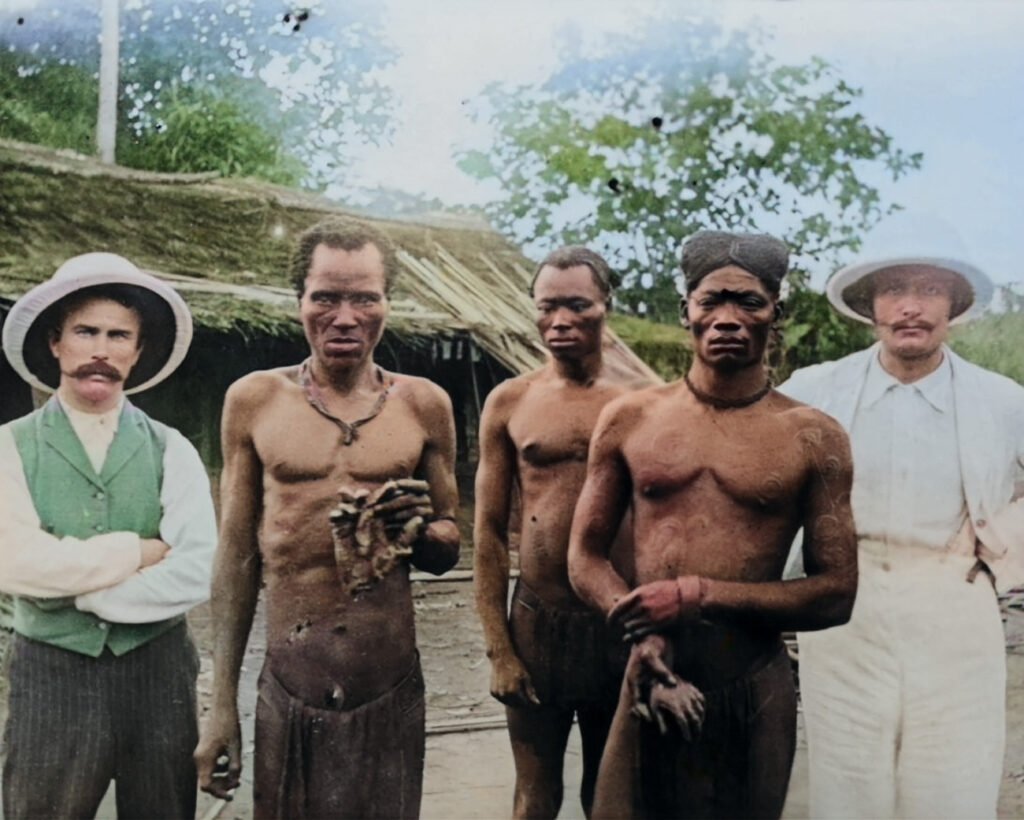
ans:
(645, 667)
(681, 705)
(397, 502)
(658, 694)
(374, 531)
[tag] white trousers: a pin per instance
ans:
(905, 705)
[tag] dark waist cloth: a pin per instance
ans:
(365, 762)
(711, 656)
(739, 765)
(573, 658)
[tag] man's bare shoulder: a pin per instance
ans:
(426, 397)
(505, 396)
(259, 386)
(821, 434)
(803, 415)
(629, 408)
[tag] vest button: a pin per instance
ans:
(102, 625)
(980, 523)
(100, 495)
(99, 528)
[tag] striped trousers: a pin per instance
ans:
(76, 722)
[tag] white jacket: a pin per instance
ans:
(990, 439)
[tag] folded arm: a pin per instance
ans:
(182, 579)
(35, 563)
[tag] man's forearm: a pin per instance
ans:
(490, 580)
(167, 589)
(596, 582)
(233, 605)
(803, 604)
(188, 524)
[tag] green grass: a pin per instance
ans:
(994, 342)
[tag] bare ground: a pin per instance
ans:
(469, 772)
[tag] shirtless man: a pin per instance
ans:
(721, 472)
(551, 657)
(340, 717)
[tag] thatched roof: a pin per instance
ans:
(224, 244)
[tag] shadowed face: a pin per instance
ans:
(571, 310)
(730, 314)
(911, 307)
(344, 307)
(96, 349)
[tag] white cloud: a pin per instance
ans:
(941, 77)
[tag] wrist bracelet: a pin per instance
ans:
(691, 593)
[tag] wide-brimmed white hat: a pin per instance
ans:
(910, 238)
(166, 321)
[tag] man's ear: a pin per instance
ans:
(780, 310)
(684, 317)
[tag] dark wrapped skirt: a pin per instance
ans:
(365, 762)
(738, 766)
(573, 659)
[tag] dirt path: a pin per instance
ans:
(469, 773)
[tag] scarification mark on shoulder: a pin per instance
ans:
(772, 489)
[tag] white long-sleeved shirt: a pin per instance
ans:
(102, 572)
(989, 420)
(907, 483)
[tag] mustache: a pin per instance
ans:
(909, 323)
(97, 369)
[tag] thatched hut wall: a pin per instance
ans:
(459, 313)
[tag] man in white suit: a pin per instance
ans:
(905, 705)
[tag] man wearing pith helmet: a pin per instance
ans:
(107, 535)
(905, 705)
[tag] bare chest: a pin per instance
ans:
(304, 446)
(752, 463)
(555, 428)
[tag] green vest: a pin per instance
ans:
(72, 500)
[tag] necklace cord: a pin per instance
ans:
(726, 404)
(349, 430)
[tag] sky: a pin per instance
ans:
(943, 78)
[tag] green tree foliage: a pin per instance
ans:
(197, 131)
(996, 341)
(67, 119)
(812, 332)
(686, 127)
(268, 75)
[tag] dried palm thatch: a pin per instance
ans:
(224, 244)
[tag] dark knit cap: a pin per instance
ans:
(764, 256)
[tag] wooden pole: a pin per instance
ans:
(106, 120)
